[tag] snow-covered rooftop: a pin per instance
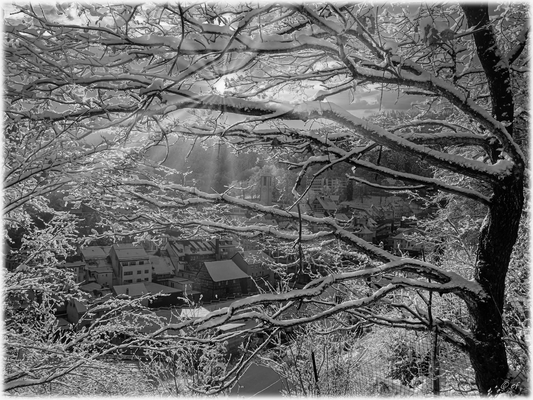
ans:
(133, 290)
(161, 265)
(224, 270)
(256, 256)
(129, 252)
(93, 253)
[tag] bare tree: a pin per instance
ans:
(145, 74)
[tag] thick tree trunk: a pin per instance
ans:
(493, 62)
(500, 228)
(498, 236)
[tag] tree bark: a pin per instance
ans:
(500, 228)
(498, 236)
(494, 64)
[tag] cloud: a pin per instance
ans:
(390, 100)
(399, 101)
(361, 105)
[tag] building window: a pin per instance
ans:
(139, 280)
(128, 273)
(139, 272)
(141, 262)
(145, 279)
(145, 271)
(127, 281)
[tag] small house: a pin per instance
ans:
(408, 241)
(221, 280)
(162, 268)
(364, 233)
(75, 312)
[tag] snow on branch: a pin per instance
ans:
(448, 139)
(425, 182)
(427, 122)
(323, 94)
(334, 228)
(328, 25)
(423, 80)
(246, 309)
(472, 168)
(317, 110)
(448, 331)
(384, 187)
(407, 177)
(517, 50)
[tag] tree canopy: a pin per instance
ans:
(97, 96)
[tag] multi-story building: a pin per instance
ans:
(98, 265)
(186, 254)
(189, 254)
(224, 248)
(255, 263)
(323, 205)
(328, 186)
(131, 264)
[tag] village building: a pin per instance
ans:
(95, 255)
(98, 265)
(162, 268)
(342, 217)
(102, 274)
(265, 190)
(221, 280)
(323, 205)
(92, 288)
(187, 254)
(288, 226)
(364, 233)
(176, 282)
(131, 264)
(168, 296)
(255, 263)
(165, 296)
(75, 312)
(328, 186)
(133, 290)
(77, 268)
(408, 241)
(185, 286)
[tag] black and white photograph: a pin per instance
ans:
(260, 199)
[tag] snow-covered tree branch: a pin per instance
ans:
(99, 97)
